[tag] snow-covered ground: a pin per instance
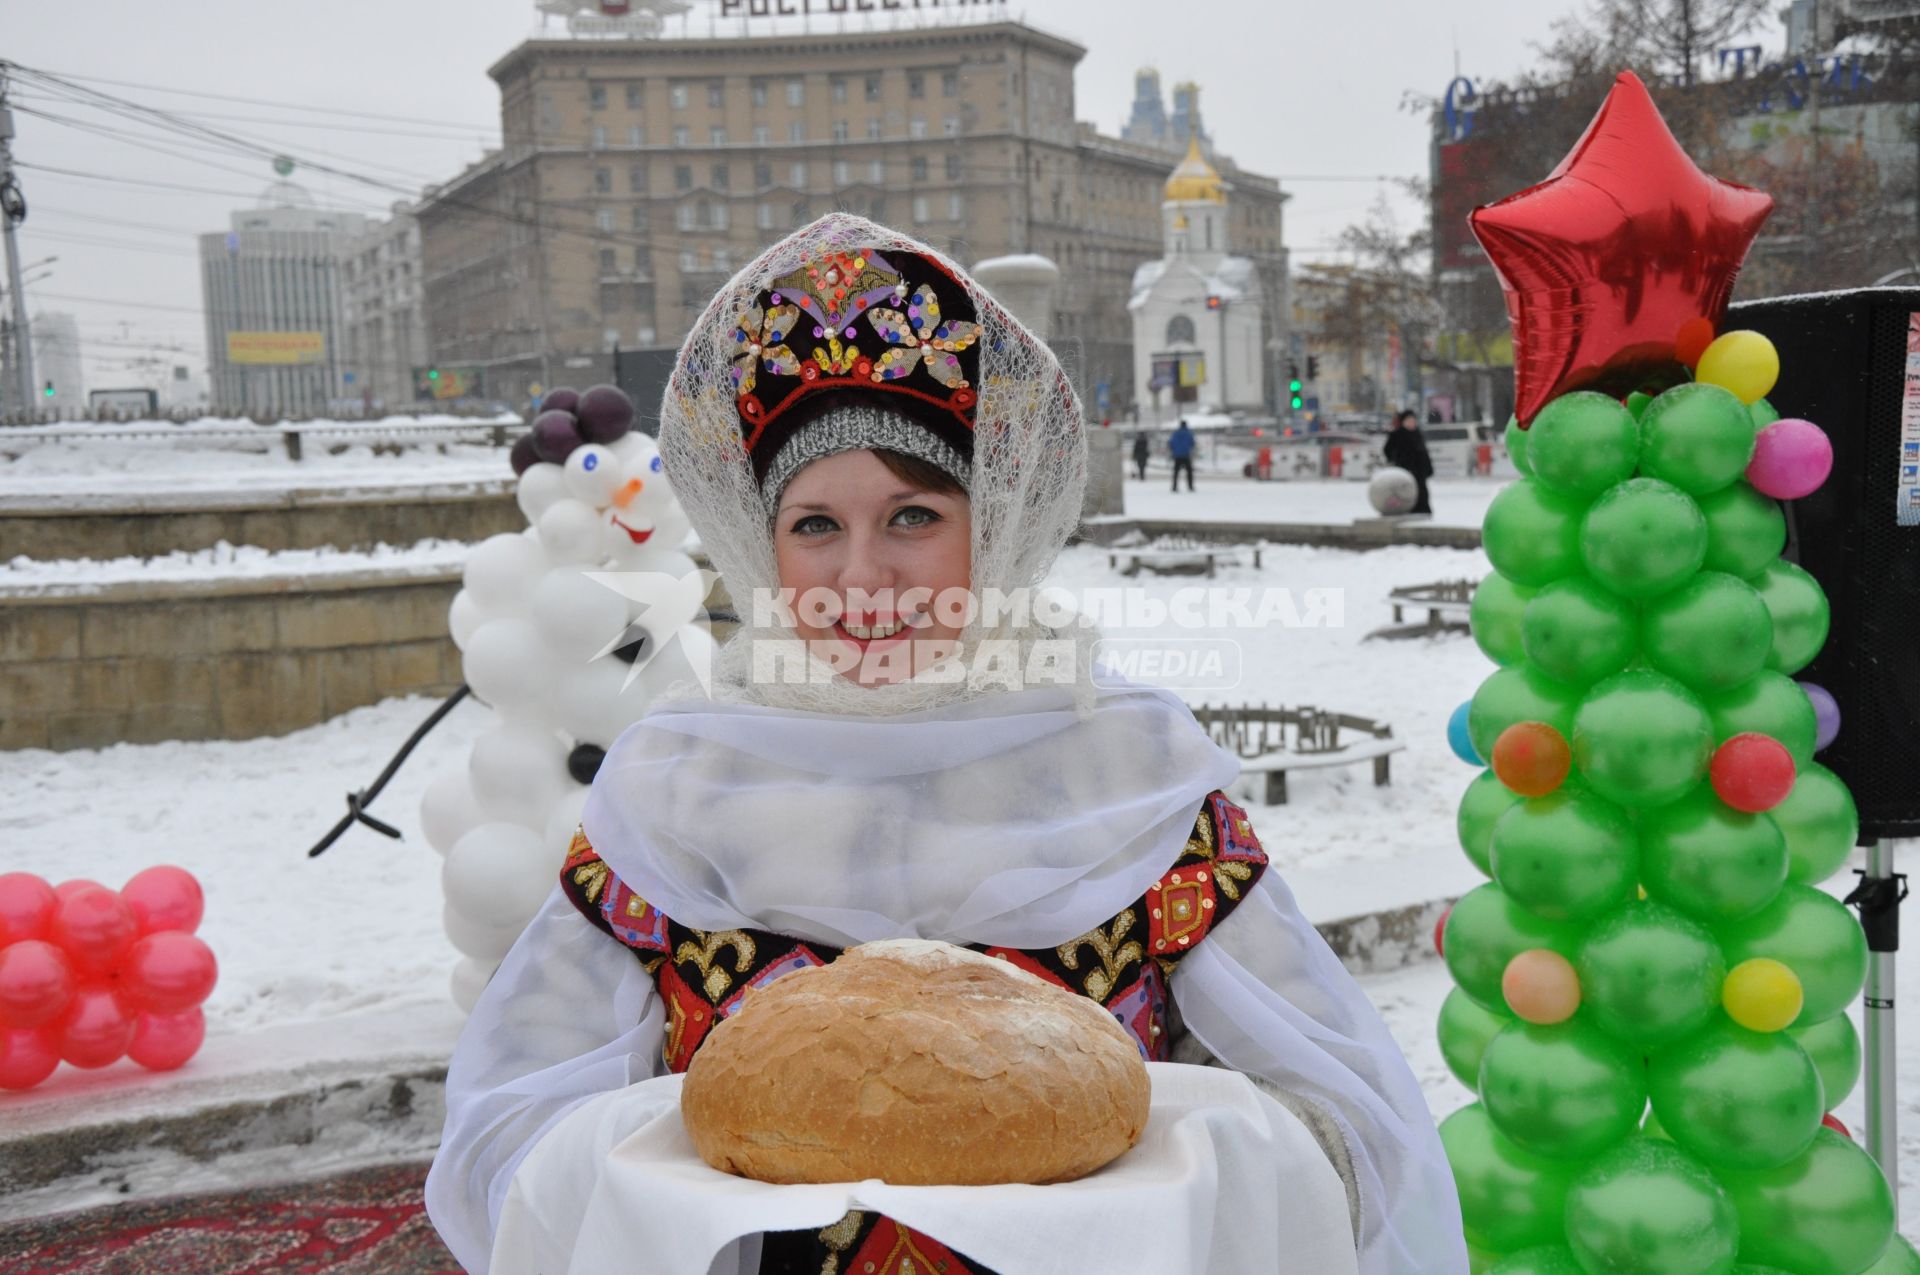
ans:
(223, 561)
(1219, 497)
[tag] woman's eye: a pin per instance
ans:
(813, 525)
(916, 516)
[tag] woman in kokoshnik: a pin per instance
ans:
(854, 417)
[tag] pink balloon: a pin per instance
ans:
(26, 907)
(1791, 458)
(66, 888)
(168, 972)
(165, 898)
(36, 984)
(96, 1029)
(96, 927)
(27, 1057)
(162, 1042)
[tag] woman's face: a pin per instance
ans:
(877, 567)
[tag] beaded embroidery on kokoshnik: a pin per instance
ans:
(853, 319)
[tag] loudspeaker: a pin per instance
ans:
(1850, 363)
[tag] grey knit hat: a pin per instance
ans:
(850, 427)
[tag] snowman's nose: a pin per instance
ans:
(628, 490)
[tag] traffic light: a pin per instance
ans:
(1313, 367)
(433, 374)
(49, 390)
(1294, 399)
(1213, 303)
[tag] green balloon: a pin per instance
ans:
(1820, 823)
(1640, 738)
(1465, 1027)
(1649, 975)
(1812, 934)
(1834, 1045)
(1825, 1212)
(1800, 615)
(1498, 604)
(1709, 860)
(1646, 1207)
(1485, 800)
(1532, 533)
(1510, 1198)
(1516, 442)
(1569, 855)
(1745, 530)
(1642, 538)
(1583, 443)
(1769, 703)
(1698, 437)
(1554, 1259)
(1713, 632)
(1485, 931)
(1899, 1259)
(1565, 1091)
(1735, 1098)
(1650, 1127)
(1521, 693)
(1763, 414)
(1637, 403)
(1577, 632)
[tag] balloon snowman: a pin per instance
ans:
(567, 630)
(1651, 991)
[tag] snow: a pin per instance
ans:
(42, 577)
(1221, 497)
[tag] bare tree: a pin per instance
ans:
(1668, 37)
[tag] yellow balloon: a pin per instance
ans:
(1744, 363)
(1762, 995)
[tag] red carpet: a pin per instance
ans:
(366, 1223)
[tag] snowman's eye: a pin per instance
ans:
(654, 464)
(590, 463)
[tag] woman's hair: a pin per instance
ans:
(922, 474)
(1405, 414)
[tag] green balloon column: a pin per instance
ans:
(1651, 991)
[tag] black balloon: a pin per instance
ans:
(561, 398)
(524, 455)
(555, 434)
(583, 763)
(605, 413)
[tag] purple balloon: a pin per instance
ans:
(555, 434)
(1826, 714)
(524, 455)
(1791, 458)
(605, 413)
(561, 398)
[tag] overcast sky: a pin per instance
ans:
(1294, 88)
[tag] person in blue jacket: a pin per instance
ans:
(1180, 444)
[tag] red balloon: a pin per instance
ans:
(1833, 1124)
(1611, 263)
(168, 972)
(27, 1057)
(66, 888)
(96, 1029)
(1752, 772)
(162, 1042)
(1531, 758)
(96, 927)
(36, 984)
(26, 907)
(165, 898)
(1440, 931)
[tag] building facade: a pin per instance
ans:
(270, 287)
(635, 176)
(57, 365)
(382, 314)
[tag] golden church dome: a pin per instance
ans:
(1195, 180)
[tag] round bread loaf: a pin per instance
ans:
(918, 1063)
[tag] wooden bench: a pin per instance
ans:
(1273, 741)
(1448, 604)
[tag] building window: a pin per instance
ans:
(839, 130)
(721, 178)
(1180, 330)
(919, 168)
(953, 168)
(603, 180)
(639, 216)
(762, 135)
(797, 176)
(607, 263)
(796, 92)
(759, 92)
(683, 176)
(873, 87)
(642, 296)
(951, 125)
(716, 95)
(762, 174)
(949, 83)
(876, 171)
(633, 97)
(683, 217)
(839, 87)
(916, 84)
(609, 298)
(677, 97)
(873, 130)
(800, 212)
(598, 138)
(636, 135)
(842, 172)
(644, 333)
(763, 217)
(637, 178)
(688, 261)
(681, 137)
(956, 206)
(597, 96)
(723, 260)
(916, 128)
(879, 210)
(717, 135)
(921, 208)
(797, 131)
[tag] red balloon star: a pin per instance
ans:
(1625, 252)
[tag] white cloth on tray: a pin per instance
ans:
(1224, 1181)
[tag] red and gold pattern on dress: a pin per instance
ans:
(1126, 965)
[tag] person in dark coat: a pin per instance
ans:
(1406, 447)
(1180, 445)
(1140, 453)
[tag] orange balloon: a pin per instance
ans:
(1531, 758)
(1691, 342)
(1541, 986)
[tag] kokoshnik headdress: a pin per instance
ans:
(849, 335)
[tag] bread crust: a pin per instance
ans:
(920, 1064)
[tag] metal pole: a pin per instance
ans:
(13, 211)
(1878, 897)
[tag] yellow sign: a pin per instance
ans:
(1193, 370)
(276, 347)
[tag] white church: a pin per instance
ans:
(1197, 312)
